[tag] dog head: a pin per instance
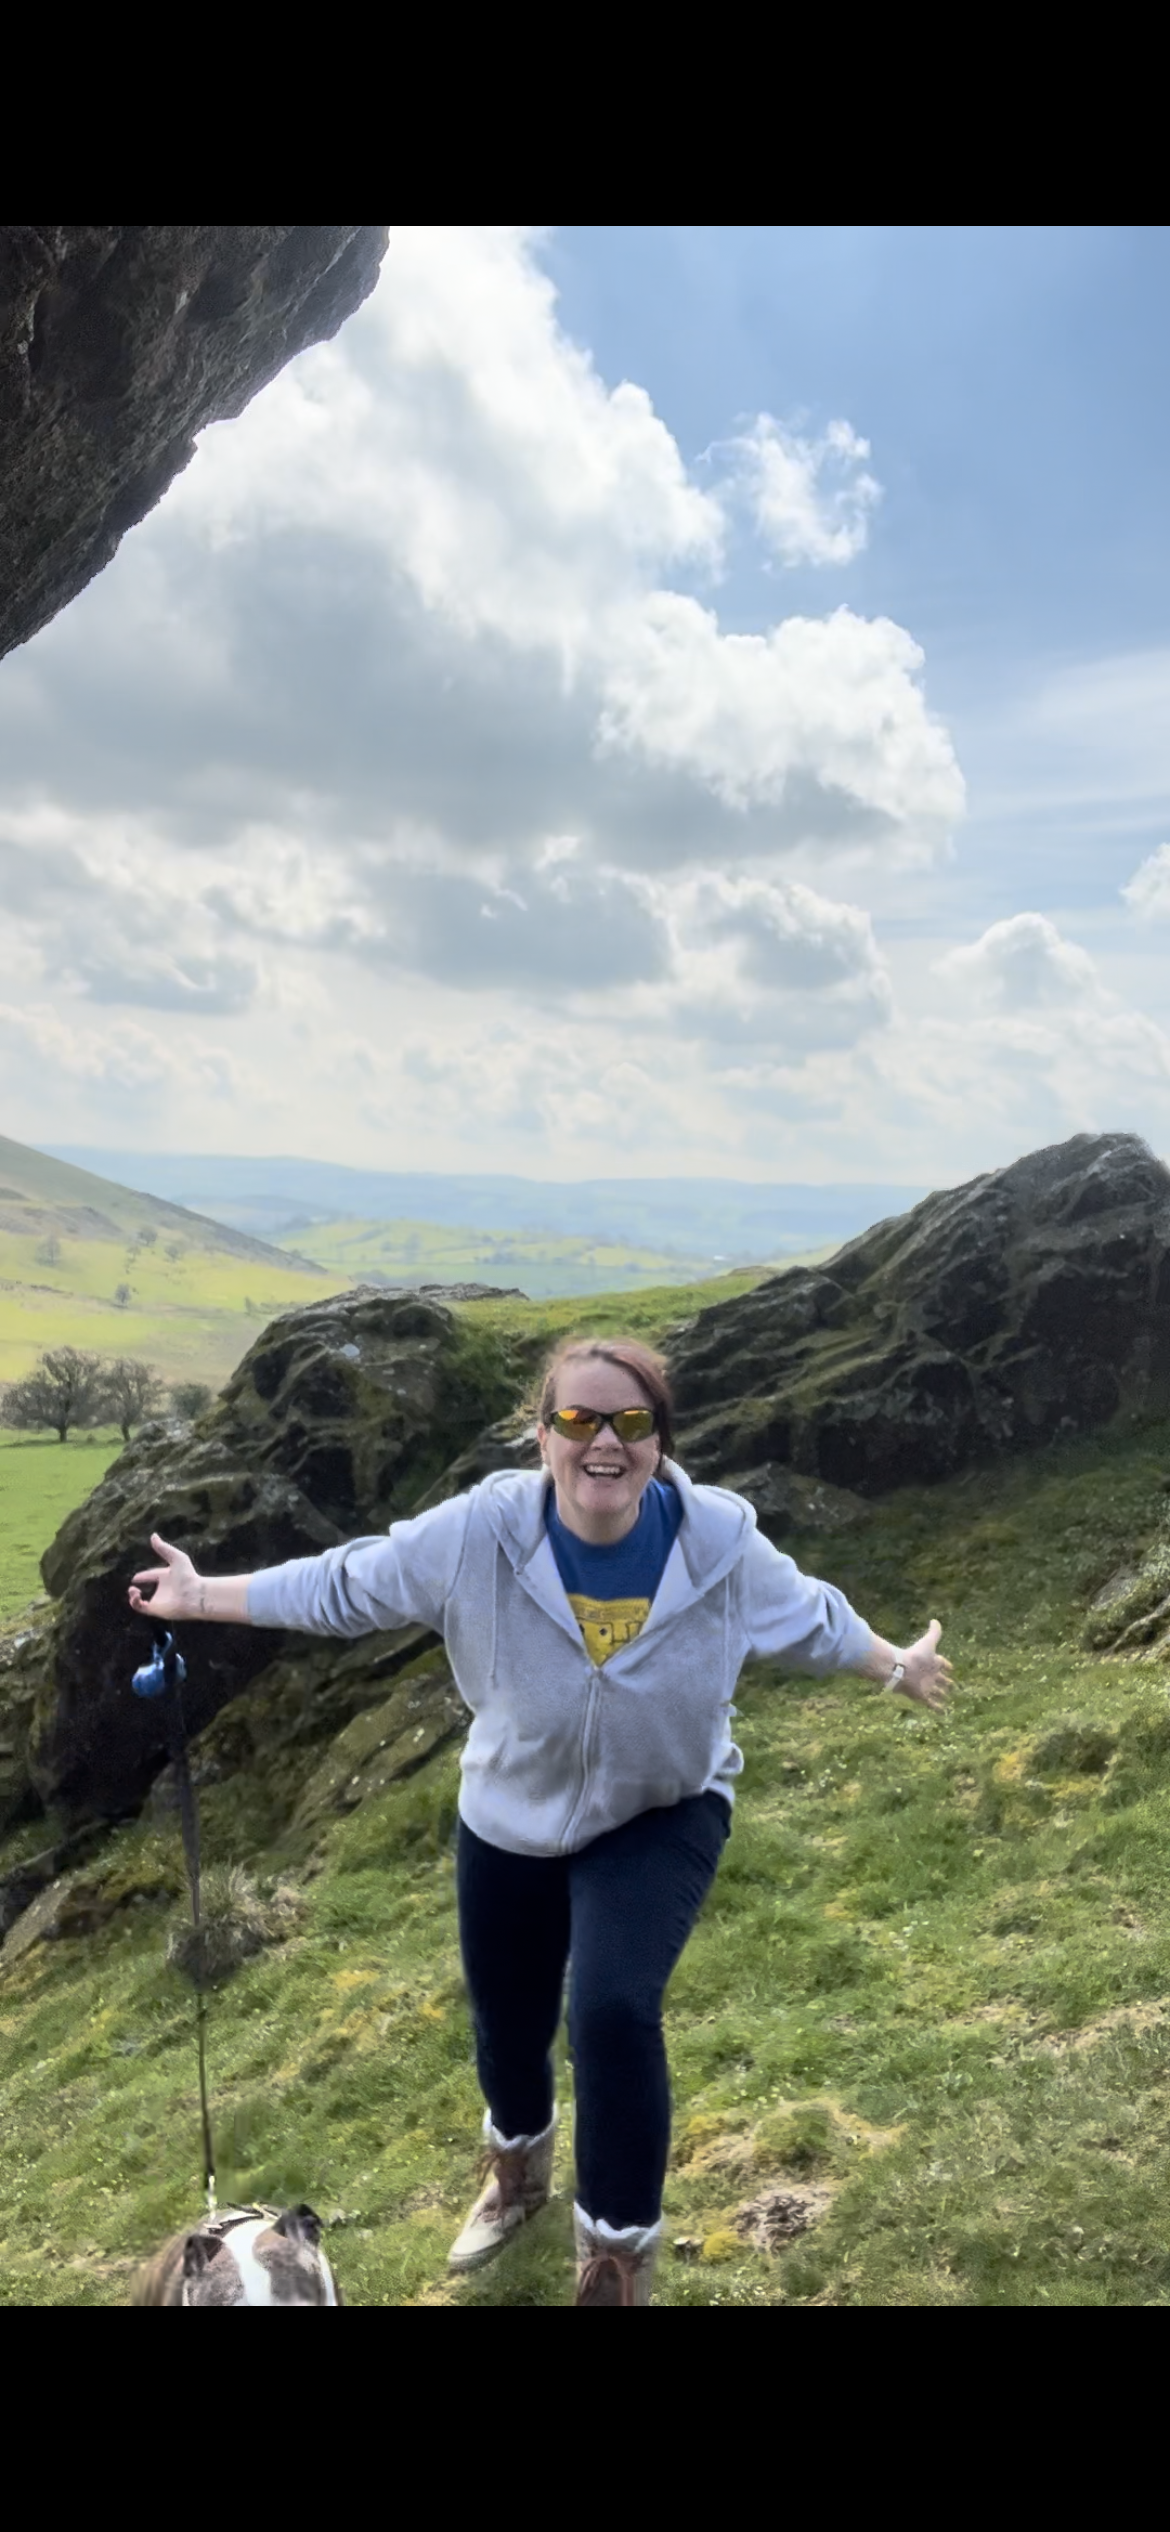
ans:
(256, 2257)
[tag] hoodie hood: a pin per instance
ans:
(714, 1533)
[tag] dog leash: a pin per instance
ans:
(163, 1677)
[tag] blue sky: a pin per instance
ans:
(1013, 383)
(642, 700)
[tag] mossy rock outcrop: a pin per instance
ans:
(1031, 1303)
(335, 1424)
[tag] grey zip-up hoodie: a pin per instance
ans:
(559, 1749)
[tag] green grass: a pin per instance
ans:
(544, 1267)
(41, 1481)
(192, 1316)
(934, 1975)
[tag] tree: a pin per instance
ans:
(67, 1388)
(121, 1296)
(147, 1236)
(133, 1391)
(190, 1397)
(49, 1251)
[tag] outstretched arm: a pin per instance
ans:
(813, 1628)
(398, 1578)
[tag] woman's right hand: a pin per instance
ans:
(176, 1589)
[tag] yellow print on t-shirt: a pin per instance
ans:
(606, 1624)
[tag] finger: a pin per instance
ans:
(153, 1574)
(933, 1631)
(171, 1553)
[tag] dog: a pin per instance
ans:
(243, 2256)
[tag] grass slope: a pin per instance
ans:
(41, 1481)
(933, 1978)
(39, 1194)
(192, 1316)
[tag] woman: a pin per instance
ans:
(596, 1613)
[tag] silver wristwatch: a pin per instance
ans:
(897, 1675)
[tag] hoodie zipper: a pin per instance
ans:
(591, 1701)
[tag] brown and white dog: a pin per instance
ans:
(244, 2256)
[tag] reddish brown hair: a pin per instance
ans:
(647, 1367)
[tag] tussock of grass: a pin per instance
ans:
(236, 1920)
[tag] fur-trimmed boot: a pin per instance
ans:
(519, 2181)
(615, 2267)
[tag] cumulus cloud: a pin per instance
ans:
(457, 429)
(126, 1062)
(556, 922)
(1037, 1004)
(96, 915)
(775, 963)
(418, 673)
(563, 1086)
(811, 499)
(1024, 964)
(1148, 892)
(833, 701)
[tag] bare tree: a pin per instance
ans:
(190, 1397)
(133, 1391)
(67, 1388)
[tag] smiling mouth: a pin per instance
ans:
(591, 1471)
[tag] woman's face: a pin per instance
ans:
(600, 1484)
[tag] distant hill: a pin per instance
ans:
(541, 1265)
(87, 1261)
(702, 1222)
(42, 1194)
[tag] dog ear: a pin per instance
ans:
(199, 2250)
(299, 2224)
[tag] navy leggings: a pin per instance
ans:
(618, 1914)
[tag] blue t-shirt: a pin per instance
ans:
(610, 1588)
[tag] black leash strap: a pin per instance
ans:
(189, 1821)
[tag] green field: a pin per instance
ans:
(543, 1268)
(192, 1316)
(41, 1480)
(933, 1978)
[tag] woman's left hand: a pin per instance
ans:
(926, 1674)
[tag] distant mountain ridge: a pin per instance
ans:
(724, 1220)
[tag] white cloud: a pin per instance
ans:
(811, 499)
(832, 700)
(458, 430)
(1148, 893)
(1024, 964)
(89, 902)
(775, 964)
(126, 1061)
(457, 427)
(400, 727)
(1031, 1028)
(566, 1086)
